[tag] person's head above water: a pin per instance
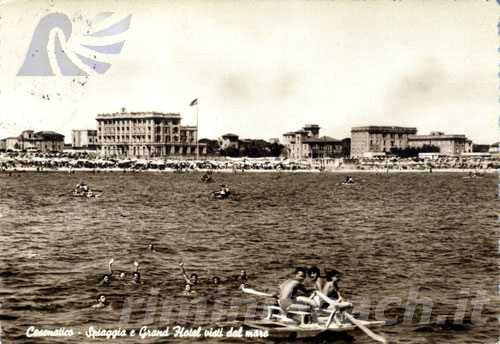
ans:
(122, 275)
(151, 247)
(106, 278)
(102, 299)
(187, 287)
(300, 274)
(136, 276)
(215, 280)
(193, 278)
(243, 277)
(313, 272)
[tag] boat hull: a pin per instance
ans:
(281, 330)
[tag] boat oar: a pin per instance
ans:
(365, 329)
(255, 292)
(342, 305)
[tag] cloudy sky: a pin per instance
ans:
(261, 68)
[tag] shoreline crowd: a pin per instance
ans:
(69, 162)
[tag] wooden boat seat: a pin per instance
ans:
(303, 316)
(276, 312)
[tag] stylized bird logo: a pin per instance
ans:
(54, 51)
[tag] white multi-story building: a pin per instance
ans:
(145, 135)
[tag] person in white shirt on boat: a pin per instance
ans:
(289, 298)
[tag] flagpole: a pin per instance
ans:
(197, 145)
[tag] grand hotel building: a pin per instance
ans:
(145, 135)
(366, 141)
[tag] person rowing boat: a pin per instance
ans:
(83, 190)
(206, 178)
(301, 315)
(329, 288)
(348, 180)
(289, 298)
(223, 193)
(314, 275)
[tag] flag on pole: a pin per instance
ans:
(194, 102)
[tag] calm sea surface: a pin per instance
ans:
(390, 235)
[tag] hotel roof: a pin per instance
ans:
(322, 139)
(437, 137)
(384, 129)
(143, 114)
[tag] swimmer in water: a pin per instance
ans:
(136, 278)
(215, 281)
(191, 280)
(188, 290)
(242, 277)
(101, 302)
(136, 275)
(106, 279)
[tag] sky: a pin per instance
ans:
(263, 68)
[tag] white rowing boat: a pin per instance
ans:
(298, 324)
(85, 195)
